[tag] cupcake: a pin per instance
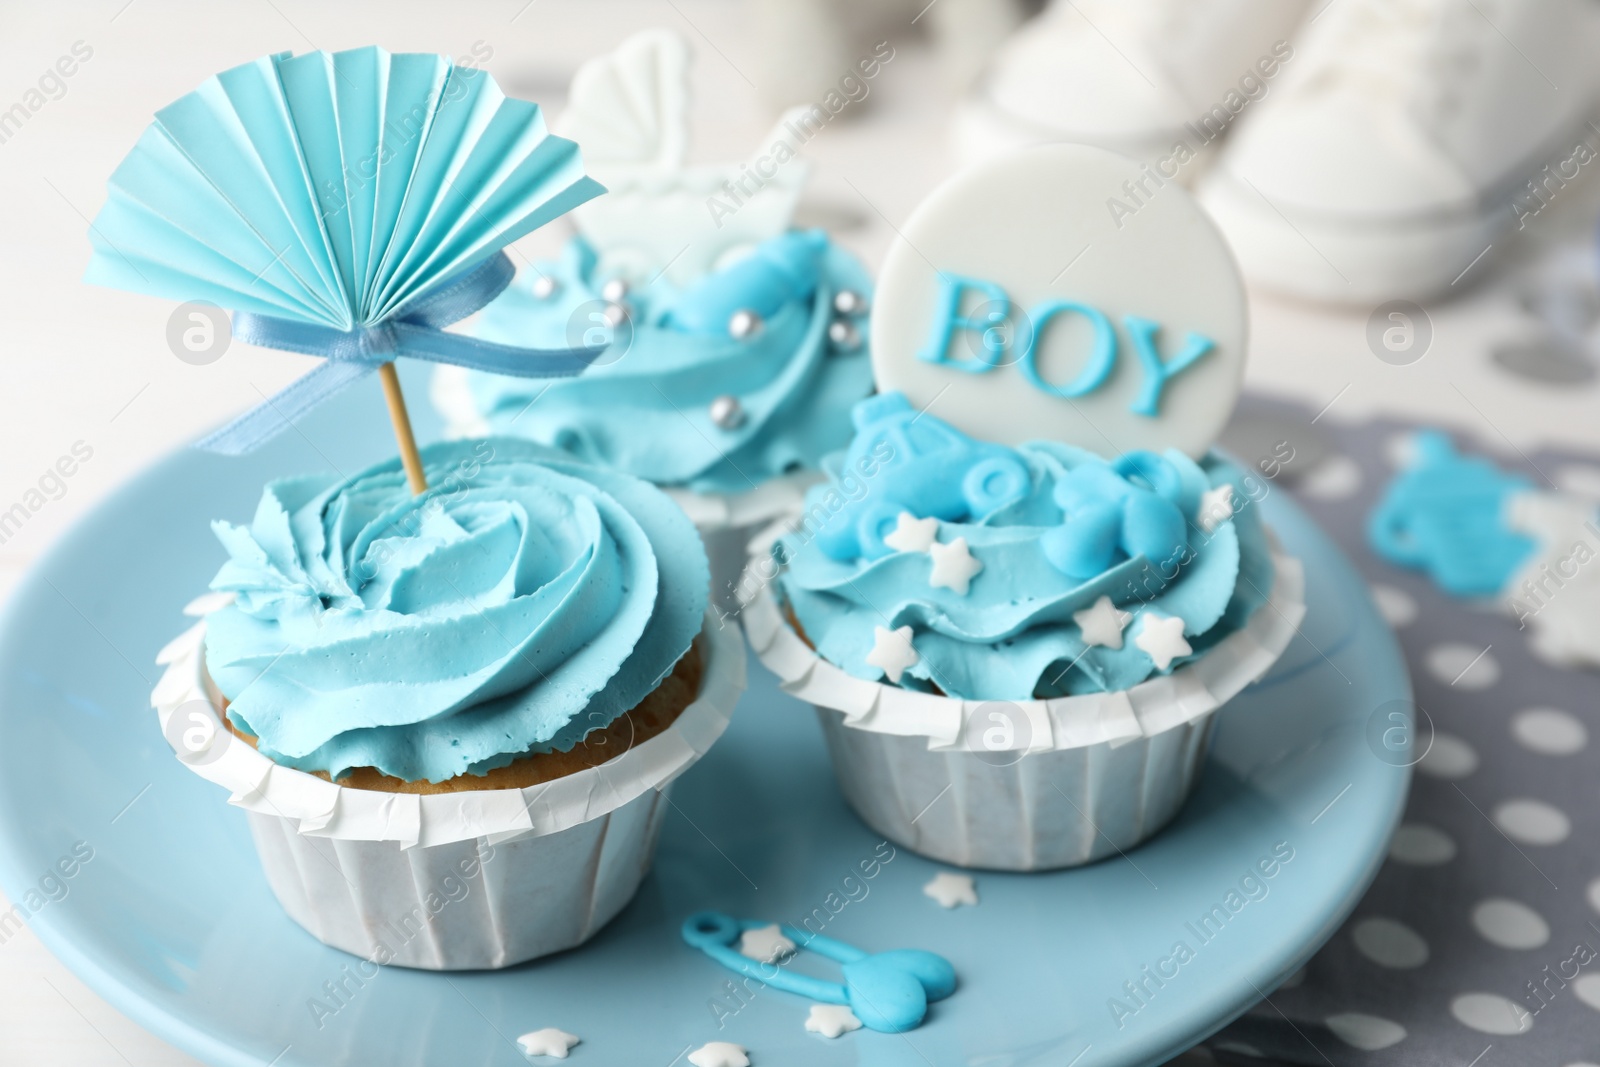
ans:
(1017, 653)
(736, 343)
(453, 717)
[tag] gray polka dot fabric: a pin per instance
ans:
(1479, 942)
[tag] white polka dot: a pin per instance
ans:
(1365, 1032)
(1594, 894)
(1401, 450)
(1390, 944)
(1490, 1014)
(1587, 989)
(1238, 1048)
(1581, 479)
(1398, 607)
(1532, 822)
(1463, 666)
(1332, 479)
(1549, 732)
(1449, 758)
(1421, 845)
(1509, 924)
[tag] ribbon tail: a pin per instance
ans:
(425, 342)
(267, 420)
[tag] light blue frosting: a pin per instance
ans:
(1012, 635)
(521, 602)
(647, 409)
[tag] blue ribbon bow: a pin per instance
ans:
(416, 331)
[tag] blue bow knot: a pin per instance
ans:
(415, 331)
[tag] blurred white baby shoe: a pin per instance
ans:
(1404, 138)
(1136, 76)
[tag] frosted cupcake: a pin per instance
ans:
(1029, 586)
(461, 708)
(1043, 630)
(736, 344)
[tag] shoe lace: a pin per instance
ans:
(1418, 50)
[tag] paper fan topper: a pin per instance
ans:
(346, 205)
(1064, 293)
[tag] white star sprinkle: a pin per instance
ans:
(1161, 638)
(1102, 624)
(912, 534)
(1215, 505)
(547, 1042)
(953, 566)
(719, 1054)
(951, 889)
(831, 1020)
(892, 652)
(765, 944)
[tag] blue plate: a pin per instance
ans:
(173, 923)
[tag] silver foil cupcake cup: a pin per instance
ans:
(1025, 785)
(450, 881)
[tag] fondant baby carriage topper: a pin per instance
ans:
(663, 216)
(347, 205)
(1018, 307)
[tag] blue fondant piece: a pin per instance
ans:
(948, 318)
(780, 271)
(1102, 356)
(1117, 511)
(907, 461)
(1444, 515)
(889, 992)
(1157, 373)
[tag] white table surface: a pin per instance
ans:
(84, 364)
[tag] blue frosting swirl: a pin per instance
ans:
(521, 602)
(645, 405)
(1012, 634)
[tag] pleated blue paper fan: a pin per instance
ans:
(348, 205)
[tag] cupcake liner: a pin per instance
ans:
(494, 877)
(1065, 782)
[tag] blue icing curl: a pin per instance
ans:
(1012, 635)
(521, 602)
(1445, 514)
(645, 405)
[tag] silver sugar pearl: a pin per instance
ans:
(614, 291)
(849, 302)
(743, 324)
(844, 335)
(727, 412)
(544, 287)
(615, 315)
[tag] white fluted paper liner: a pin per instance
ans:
(350, 864)
(1077, 777)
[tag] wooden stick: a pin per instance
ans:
(402, 429)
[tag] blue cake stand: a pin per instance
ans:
(173, 923)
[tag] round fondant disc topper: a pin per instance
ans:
(1064, 293)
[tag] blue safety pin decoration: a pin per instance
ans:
(888, 991)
